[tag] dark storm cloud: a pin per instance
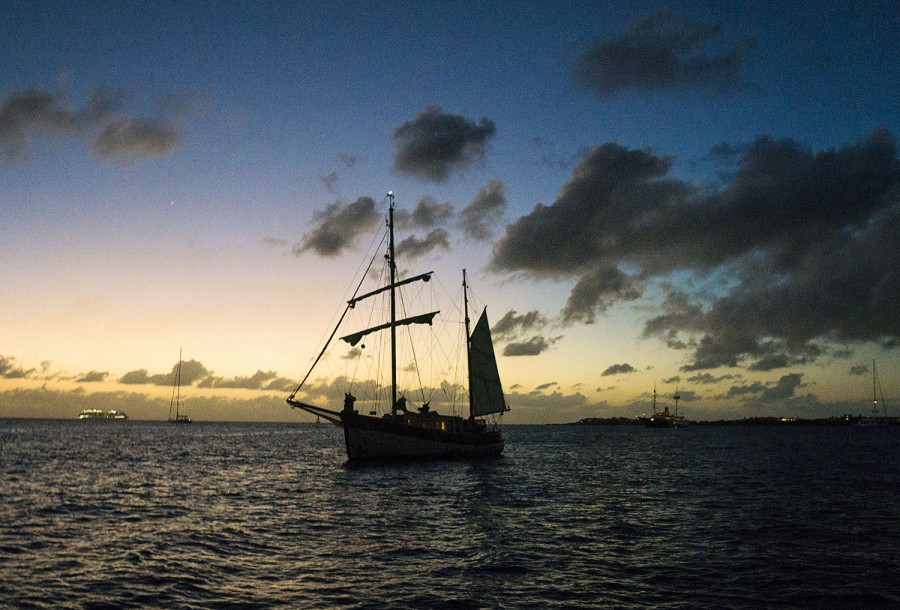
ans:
(804, 240)
(783, 390)
(484, 210)
(662, 52)
(512, 324)
(435, 143)
(617, 369)
(24, 115)
(337, 226)
(428, 214)
(859, 369)
(413, 247)
(596, 291)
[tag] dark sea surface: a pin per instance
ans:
(215, 515)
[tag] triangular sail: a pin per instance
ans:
(486, 390)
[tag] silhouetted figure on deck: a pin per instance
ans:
(401, 404)
(349, 399)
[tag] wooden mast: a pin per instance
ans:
(393, 303)
(468, 342)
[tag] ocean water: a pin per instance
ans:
(214, 515)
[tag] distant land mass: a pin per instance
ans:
(843, 420)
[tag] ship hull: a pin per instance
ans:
(371, 438)
(661, 422)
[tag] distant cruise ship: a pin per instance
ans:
(98, 414)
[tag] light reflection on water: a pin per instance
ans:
(208, 515)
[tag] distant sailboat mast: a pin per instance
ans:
(176, 391)
(874, 391)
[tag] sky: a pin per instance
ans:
(694, 197)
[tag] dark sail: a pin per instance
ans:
(424, 318)
(486, 390)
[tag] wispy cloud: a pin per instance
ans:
(664, 51)
(27, 114)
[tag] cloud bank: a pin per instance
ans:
(799, 248)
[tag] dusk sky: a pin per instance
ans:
(701, 196)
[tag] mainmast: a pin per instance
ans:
(468, 342)
(393, 269)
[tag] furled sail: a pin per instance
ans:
(424, 318)
(486, 389)
(423, 277)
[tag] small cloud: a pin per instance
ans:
(436, 143)
(859, 369)
(9, 369)
(533, 347)
(618, 369)
(93, 376)
(511, 324)
(484, 210)
(337, 226)
(428, 214)
(413, 247)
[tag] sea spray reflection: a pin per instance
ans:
(270, 515)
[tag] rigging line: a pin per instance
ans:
(328, 341)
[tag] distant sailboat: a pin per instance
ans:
(878, 418)
(404, 432)
(176, 397)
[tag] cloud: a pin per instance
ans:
(662, 52)
(795, 254)
(859, 369)
(435, 143)
(484, 210)
(337, 227)
(545, 386)
(256, 381)
(512, 324)
(135, 139)
(414, 247)
(533, 347)
(783, 390)
(93, 376)
(191, 371)
(9, 369)
(428, 214)
(597, 291)
(26, 114)
(618, 369)
(329, 181)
